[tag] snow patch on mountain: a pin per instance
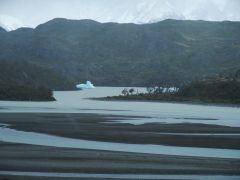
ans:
(9, 23)
(134, 11)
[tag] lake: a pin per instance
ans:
(77, 102)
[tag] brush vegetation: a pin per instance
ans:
(208, 90)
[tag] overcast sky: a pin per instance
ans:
(33, 12)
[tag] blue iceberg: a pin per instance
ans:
(88, 85)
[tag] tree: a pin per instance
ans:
(131, 91)
(150, 90)
(158, 90)
(125, 92)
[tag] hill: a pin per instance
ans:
(168, 52)
(26, 74)
(213, 90)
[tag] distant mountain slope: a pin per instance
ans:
(2, 30)
(170, 52)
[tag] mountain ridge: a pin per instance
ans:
(170, 51)
(55, 20)
(134, 11)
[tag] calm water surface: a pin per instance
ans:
(77, 102)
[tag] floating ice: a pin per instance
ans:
(88, 85)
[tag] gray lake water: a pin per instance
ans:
(77, 102)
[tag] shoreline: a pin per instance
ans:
(187, 102)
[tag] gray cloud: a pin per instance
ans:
(33, 12)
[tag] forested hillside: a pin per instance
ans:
(168, 52)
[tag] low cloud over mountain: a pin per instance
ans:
(124, 11)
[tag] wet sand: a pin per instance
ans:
(100, 128)
(20, 157)
(32, 158)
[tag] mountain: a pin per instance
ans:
(2, 30)
(168, 52)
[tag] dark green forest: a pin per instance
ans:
(24, 73)
(26, 93)
(221, 89)
(169, 52)
(212, 90)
